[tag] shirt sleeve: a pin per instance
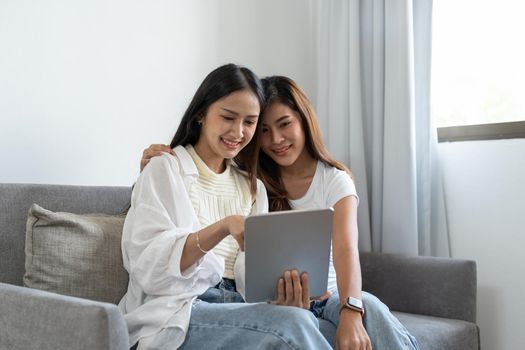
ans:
(156, 228)
(339, 185)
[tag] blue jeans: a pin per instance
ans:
(383, 328)
(221, 320)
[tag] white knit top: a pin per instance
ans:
(215, 196)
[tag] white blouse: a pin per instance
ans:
(155, 230)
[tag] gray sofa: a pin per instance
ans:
(435, 298)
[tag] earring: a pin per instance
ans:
(199, 122)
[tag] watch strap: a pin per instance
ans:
(353, 304)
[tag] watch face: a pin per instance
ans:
(354, 302)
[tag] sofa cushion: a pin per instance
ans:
(77, 255)
(435, 333)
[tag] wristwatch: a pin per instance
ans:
(353, 304)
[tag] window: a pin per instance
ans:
(478, 68)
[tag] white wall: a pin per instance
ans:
(86, 85)
(485, 198)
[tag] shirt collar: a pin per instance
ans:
(189, 167)
(187, 164)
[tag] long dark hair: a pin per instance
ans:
(284, 90)
(219, 83)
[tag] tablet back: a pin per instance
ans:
(280, 241)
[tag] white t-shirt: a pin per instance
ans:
(328, 186)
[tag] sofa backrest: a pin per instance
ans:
(16, 199)
(440, 287)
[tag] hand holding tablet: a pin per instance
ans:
(283, 241)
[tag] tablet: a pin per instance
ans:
(285, 240)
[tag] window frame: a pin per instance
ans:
(491, 131)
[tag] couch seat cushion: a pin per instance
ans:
(433, 333)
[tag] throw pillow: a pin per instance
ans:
(75, 254)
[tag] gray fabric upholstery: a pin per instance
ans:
(34, 319)
(16, 199)
(443, 289)
(75, 254)
(436, 333)
(432, 333)
(440, 287)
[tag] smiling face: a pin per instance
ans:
(282, 137)
(227, 127)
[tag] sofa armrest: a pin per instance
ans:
(34, 319)
(441, 287)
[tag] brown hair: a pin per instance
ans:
(284, 90)
(221, 82)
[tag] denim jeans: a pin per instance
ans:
(383, 328)
(221, 320)
(223, 292)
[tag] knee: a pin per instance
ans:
(297, 327)
(295, 315)
(374, 308)
(370, 298)
(286, 317)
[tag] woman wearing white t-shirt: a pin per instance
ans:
(299, 173)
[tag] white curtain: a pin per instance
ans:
(374, 107)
